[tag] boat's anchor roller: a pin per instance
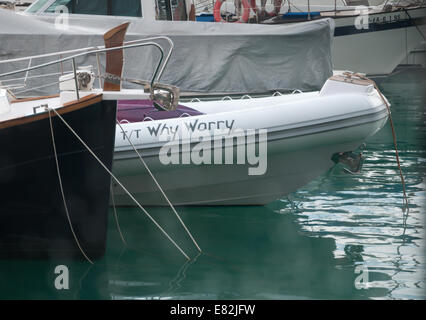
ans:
(352, 161)
(166, 98)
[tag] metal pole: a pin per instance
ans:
(75, 79)
(62, 66)
(309, 10)
(169, 11)
(26, 75)
(99, 70)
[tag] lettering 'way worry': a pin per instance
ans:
(192, 127)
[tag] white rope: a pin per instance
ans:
(62, 191)
(121, 185)
(160, 188)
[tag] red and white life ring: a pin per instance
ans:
(244, 18)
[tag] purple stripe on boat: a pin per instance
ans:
(144, 110)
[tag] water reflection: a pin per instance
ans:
(254, 253)
(248, 253)
(365, 211)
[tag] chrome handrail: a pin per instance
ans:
(96, 50)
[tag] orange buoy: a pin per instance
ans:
(244, 18)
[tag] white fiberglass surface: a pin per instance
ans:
(28, 108)
(227, 105)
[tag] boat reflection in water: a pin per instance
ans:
(250, 252)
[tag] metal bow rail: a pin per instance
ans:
(79, 53)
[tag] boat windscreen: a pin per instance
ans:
(36, 6)
(128, 8)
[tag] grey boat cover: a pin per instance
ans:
(216, 58)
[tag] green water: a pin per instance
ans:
(314, 244)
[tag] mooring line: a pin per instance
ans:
(393, 135)
(181, 275)
(159, 187)
(62, 192)
(120, 184)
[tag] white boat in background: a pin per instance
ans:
(207, 6)
(374, 40)
(372, 37)
(306, 133)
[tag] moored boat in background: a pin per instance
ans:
(304, 134)
(208, 58)
(372, 37)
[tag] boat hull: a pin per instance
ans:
(33, 219)
(296, 154)
(378, 43)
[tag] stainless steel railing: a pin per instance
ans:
(78, 53)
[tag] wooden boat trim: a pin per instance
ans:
(66, 108)
(34, 98)
(114, 59)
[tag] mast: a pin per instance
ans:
(114, 59)
(309, 10)
(149, 9)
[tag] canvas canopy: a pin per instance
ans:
(207, 57)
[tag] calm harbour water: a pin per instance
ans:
(317, 243)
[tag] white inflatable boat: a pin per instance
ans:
(249, 151)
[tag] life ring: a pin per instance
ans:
(244, 18)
